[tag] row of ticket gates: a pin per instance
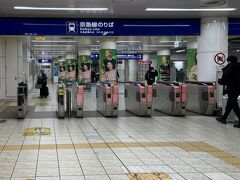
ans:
(172, 98)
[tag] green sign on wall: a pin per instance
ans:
(163, 67)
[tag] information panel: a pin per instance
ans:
(99, 27)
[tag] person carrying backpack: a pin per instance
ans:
(150, 75)
(231, 79)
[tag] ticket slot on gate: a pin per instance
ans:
(22, 105)
(201, 97)
(107, 99)
(170, 98)
(138, 99)
(61, 101)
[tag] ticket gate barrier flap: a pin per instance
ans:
(21, 102)
(60, 100)
(201, 97)
(141, 105)
(170, 98)
(80, 98)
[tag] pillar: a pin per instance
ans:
(108, 60)
(70, 66)
(192, 71)
(163, 64)
(14, 66)
(84, 65)
(213, 40)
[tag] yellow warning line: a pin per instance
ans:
(186, 146)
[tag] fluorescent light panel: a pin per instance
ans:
(128, 41)
(37, 41)
(179, 9)
(52, 45)
(59, 9)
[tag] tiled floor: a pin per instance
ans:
(191, 147)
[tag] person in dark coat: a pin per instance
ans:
(231, 79)
(150, 75)
(44, 89)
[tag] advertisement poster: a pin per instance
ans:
(108, 62)
(61, 71)
(70, 69)
(84, 69)
(163, 67)
(192, 64)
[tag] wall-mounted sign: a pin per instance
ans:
(100, 27)
(44, 60)
(121, 57)
(220, 58)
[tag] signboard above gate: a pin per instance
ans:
(100, 27)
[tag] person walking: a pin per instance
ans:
(150, 75)
(231, 79)
(44, 90)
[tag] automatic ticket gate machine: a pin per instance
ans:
(70, 99)
(107, 99)
(201, 97)
(22, 100)
(170, 97)
(138, 99)
(61, 101)
(77, 99)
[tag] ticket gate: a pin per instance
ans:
(77, 100)
(61, 101)
(201, 97)
(170, 97)
(107, 99)
(22, 103)
(70, 100)
(138, 99)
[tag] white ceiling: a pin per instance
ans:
(54, 46)
(117, 8)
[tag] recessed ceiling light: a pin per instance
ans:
(213, 3)
(59, 9)
(184, 10)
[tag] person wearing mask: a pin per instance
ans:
(231, 79)
(44, 90)
(151, 75)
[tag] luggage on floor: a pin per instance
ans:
(44, 92)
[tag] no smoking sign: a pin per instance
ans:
(220, 58)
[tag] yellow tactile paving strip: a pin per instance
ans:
(186, 146)
(149, 176)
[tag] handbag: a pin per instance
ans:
(38, 86)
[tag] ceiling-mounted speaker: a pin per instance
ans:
(213, 3)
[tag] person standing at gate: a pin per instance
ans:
(44, 90)
(231, 79)
(151, 75)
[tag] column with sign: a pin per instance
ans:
(108, 60)
(84, 66)
(163, 64)
(70, 66)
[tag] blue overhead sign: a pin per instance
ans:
(129, 57)
(234, 27)
(95, 57)
(100, 27)
(44, 61)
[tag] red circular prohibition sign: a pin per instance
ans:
(220, 58)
